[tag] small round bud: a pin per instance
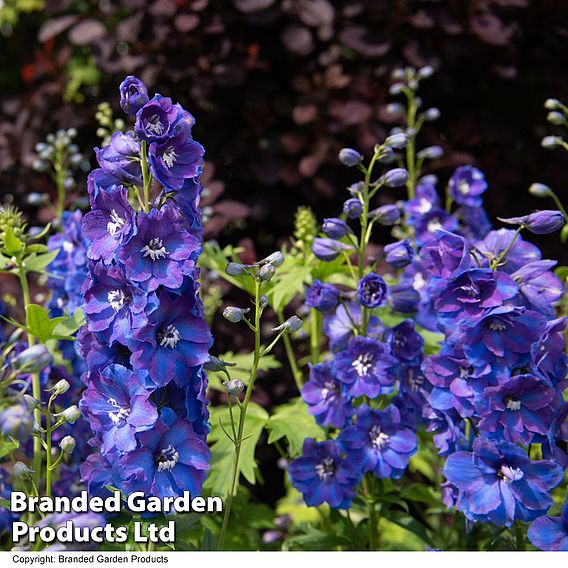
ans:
(556, 118)
(236, 269)
(335, 228)
(431, 153)
(425, 72)
(71, 414)
(40, 147)
(276, 259)
(397, 141)
(352, 208)
(234, 314)
(540, 190)
(395, 109)
(215, 365)
(59, 387)
(551, 142)
(431, 114)
(396, 88)
(234, 387)
(386, 214)
(396, 177)
(31, 402)
(291, 325)
(263, 301)
(37, 198)
(71, 132)
(398, 74)
(552, 104)
(266, 272)
(20, 469)
(67, 444)
(350, 157)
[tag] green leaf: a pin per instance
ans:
(289, 282)
(70, 325)
(208, 541)
(562, 273)
(420, 493)
(39, 324)
(36, 248)
(223, 449)
(293, 422)
(8, 446)
(410, 524)
(37, 263)
(12, 244)
(564, 233)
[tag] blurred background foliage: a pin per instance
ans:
(278, 86)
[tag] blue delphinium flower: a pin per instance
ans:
(322, 297)
(399, 254)
(117, 405)
(326, 396)
(133, 95)
(379, 442)
(365, 367)
(498, 482)
(550, 533)
(466, 186)
(540, 288)
(372, 291)
(323, 475)
(171, 459)
(120, 158)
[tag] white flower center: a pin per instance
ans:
(167, 458)
(115, 224)
(513, 404)
(510, 474)
(154, 125)
(329, 390)
(170, 157)
(419, 281)
(363, 364)
(463, 187)
(155, 249)
(68, 246)
(378, 439)
(496, 326)
(414, 380)
(326, 469)
(434, 225)
(169, 337)
(117, 299)
(424, 206)
(119, 416)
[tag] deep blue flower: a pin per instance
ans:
(335, 228)
(175, 339)
(133, 95)
(548, 353)
(466, 186)
(475, 222)
(498, 483)
(446, 256)
(404, 298)
(326, 396)
(17, 422)
(121, 158)
(171, 459)
(386, 214)
(350, 157)
(109, 224)
(372, 291)
(379, 442)
(550, 533)
(353, 208)
(473, 293)
(176, 159)
(366, 367)
(519, 254)
(322, 475)
(399, 254)
(115, 305)
(118, 406)
(405, 342)
(517, 409)
(159, 119)
(447, 427)
(502, 334)
(540, 287)
(99, 179)
(428, 224)
(341, 326)
(161, 252)
(322, 297)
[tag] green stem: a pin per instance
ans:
(296, 371)
(496, 262)
(48, 468)
(242, 417)
(369, 490)
(36, 385)
(559, 205)
(410, 146)
(520, 535)
(146, 180)
(315, 336)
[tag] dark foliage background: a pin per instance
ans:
(279, 86)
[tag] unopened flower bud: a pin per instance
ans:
(31, 402)
(555, 117)
(431, 153)
(67, 444)
(352, 208)
(263, 301)
(234, 387)
(540, 190)
(386, 215)
(431, 114)
(71, 414)
(235, 269)
(397, 141)
(291, 325)
(276, 259)
(400, 254)
(266, 272)
(395, 177)
(425, 72)
(396, 88)
(335, 228)
(350, 157)
(20, 469)
(329, 249)
(215, 364)
(552, 104)
(32, 360)
(59, 387)
(539, 222)
(551, 142)
(234, 314)
(394, 108)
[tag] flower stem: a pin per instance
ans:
(146, 181)
(410, 146)
(242, 417)
(36, 385)
(520, 535)
(296, 371)
(315, 336)
(48, 468)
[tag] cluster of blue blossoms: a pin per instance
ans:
(492, 395)
(145, 341)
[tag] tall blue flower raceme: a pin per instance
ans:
(491, 393)
(146, 341)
